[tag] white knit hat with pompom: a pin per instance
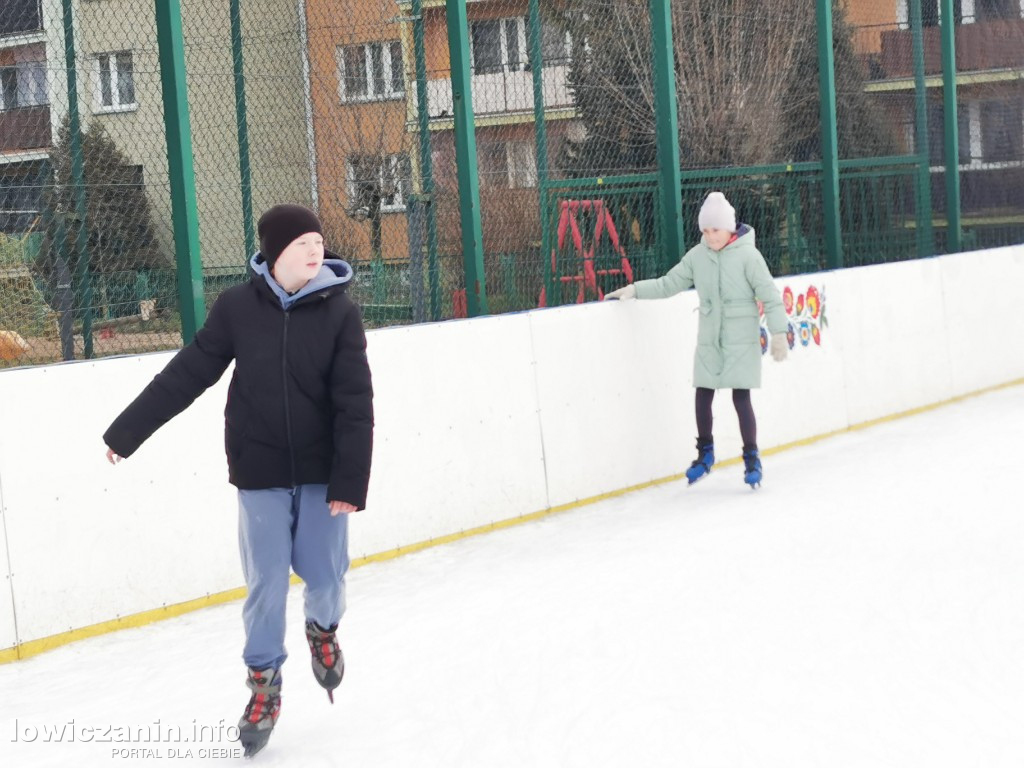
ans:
(717, 213)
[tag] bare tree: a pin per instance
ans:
(375, 177)
(746, 79)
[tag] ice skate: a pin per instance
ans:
(327, 659)
(262, 710)
(705, 460)
(751, 467)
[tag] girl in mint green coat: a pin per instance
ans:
(730, 276)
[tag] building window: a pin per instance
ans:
(556, 46)
(964, 11)
(370, 72)
(370, 179)
(1002, 131)
(507, 164)
(20, 16)
(496, 46)
(992, 10)
(937, 132)
(23, 84)
(21, 197)
(502, 45)
(115, 82)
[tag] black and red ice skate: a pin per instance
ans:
(262, 710)
(327, 659)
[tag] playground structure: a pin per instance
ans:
(582, 264)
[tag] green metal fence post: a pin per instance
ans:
(242, 124)
(954, 223)
(540, 133)
(426, 158)
(465, 158)
(925, 240)
(829, 138)
(83, 278)
(184, 212)
(666, 111)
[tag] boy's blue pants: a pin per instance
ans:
(280, 528)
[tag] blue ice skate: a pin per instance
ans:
(705, 460)
(751, 467)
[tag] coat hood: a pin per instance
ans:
(334, 271)
(744, 237)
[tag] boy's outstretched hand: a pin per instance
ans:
(341, 507)
(624, 293)
(780, 347)
(112, 457)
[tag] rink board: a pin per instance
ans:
(457, 431)
(96, 542)
(478, 422)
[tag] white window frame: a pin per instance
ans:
(975, 161)
(977, 151)
(394, 163)
(520, 171)
(522, 39)
(395, 166)
(968, 12)
(902, 14)
(389, 92)
(521, 161)
(115, 99)
(566, 46)
(506, 65)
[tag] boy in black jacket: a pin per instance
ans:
(299, 433)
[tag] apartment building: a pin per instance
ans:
(502, 87)
(31, 107)
(118, 48)
(359, 83)
(363, 83)
(989, 38)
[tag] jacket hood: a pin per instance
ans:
(334, 271)
(744, 235)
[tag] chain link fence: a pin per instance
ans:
(354, 108)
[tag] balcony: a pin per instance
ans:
(19, 17)
(986, 45)
(24, 128)
(503, 93)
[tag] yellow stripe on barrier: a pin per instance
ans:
(34, 647)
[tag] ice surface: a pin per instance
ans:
(865, 607)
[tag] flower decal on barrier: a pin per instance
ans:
(813, 302)
(806, 314)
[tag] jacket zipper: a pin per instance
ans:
(287, 406)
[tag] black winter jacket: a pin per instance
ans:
(299, 406)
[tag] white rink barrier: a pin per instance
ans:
(478, 421)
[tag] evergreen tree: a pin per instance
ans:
(118, 221)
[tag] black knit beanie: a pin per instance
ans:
(282, 224)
